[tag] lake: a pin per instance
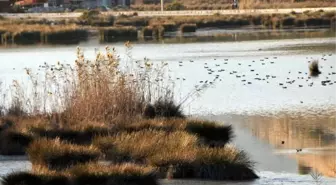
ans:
(283, 118)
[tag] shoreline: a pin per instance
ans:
(170, 13)
(134, 28)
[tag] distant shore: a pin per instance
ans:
(169, 13)
(133, 27)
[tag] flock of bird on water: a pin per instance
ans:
(299, 79)
(245, 78)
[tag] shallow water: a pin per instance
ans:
(244, 91)
(262, 112)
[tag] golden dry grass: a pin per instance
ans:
(152, 147)
(58, 155)
(127, 169)
(95, 174)
(18, 28)
(243, 4)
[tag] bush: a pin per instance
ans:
(314, 68)
(163, 108)
(66, 36)
(175, 6)
(288, 21)
(14, 143)
(23, 178)
(149, 111)
(167, 108)
(118, 34)
(90, 15)
(187, 28)
(147, 32)
(27, 37)
(225, 163)
(169, 27)
(212, 133)
(57, 155)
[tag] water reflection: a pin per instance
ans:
(308, 139)
(242, 35)
(202, 35)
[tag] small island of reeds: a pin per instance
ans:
(109, 123)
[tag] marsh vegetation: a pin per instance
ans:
(130, 27)
(96, 111)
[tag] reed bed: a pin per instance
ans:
(226, 4)
(127, 33)
(96, 110)
(124, 28)
(33, 34)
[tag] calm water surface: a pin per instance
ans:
(272, 118)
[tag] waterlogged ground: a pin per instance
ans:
(261, 87)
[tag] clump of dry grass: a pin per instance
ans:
(314, 68)
(226, 163)
(89, 174)
(177, 155)
(57, 155)
(152, 147)
(98, 90)
(104, 89)
(71, 135)
(126, 169)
